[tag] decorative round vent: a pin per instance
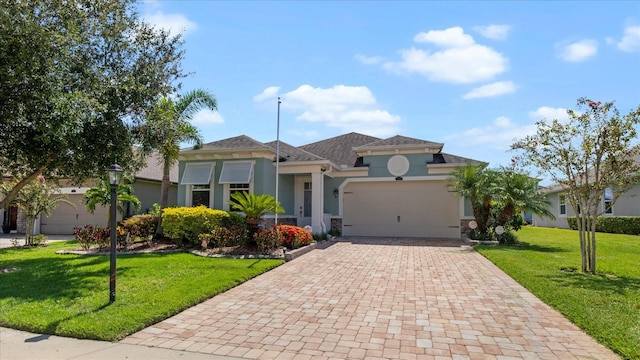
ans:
(398, 165)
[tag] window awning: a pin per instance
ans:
(197, 174)
(236, 172)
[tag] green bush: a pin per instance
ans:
(142, 226)
(235, 219)
(267, 240)
(184, 224)
(612, 224)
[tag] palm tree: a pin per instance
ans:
(254, 207)
(518, 193)
(476, 183)
(101, 195)
(168, 126)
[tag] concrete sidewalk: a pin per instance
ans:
(21, 345)
(7, 240)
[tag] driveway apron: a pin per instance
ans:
(377, 299)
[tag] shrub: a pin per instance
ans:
(142, 226)
(184, 224)
(612, 224)
(267, 240)
(84, 236)
(507, 238)
(294, 237)
(221, 237)
(234, 219)
(88, 235)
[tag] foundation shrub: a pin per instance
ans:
(184, 224)
(294, 237)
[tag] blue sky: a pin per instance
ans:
(472, 75)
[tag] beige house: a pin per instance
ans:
(64, 217)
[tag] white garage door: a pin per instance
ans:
(64, 217)
(401, 209)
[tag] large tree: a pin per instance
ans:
(168, 126)
(593, 151)
(74, 75)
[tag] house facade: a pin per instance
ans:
(64, 218)
(356, 184)
(627, 204)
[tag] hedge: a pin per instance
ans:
(184, 224)
(612, 224)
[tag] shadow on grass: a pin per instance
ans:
(52, 277)
(599, 282)
(524, 246)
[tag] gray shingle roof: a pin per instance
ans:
(399, 140)
(292, 153)
(455, 159)
(153, 169)
(339, 149)
(238, 142)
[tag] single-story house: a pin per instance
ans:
(64, 218)
(356, 184)
(628, 204)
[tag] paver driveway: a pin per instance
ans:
(377, 299)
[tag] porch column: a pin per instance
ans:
(317, 201)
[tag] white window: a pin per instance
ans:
(234, 188)
(608, 201)
(197, 177)
(562, 201)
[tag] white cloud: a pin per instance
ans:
(499, 135)
(494, 32)
(173, 23)
(269, 93)
(461, 60)
(578, 51)
(369, 60)
(549, 114)
(207, 118)
(630, 41)
(491, 90)
(448, 38)
(348, 108)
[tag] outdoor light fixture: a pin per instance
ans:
(336, 192)
(115, 172)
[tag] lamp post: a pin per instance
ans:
(115, 171)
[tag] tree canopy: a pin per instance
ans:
(596, 149)
(74, 75)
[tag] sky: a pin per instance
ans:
(472, 75)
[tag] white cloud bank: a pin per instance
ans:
(173, 23)
(578, 51)
(458, 59)
(630, 41)
(204, 118)
(348, 108)
(494, 32)
(491, 90)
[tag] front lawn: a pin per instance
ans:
(606, 305)
(68, 295)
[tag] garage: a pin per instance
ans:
(65, 217)
(401, 209)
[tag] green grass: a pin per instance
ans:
(68, 295)
(605, 305)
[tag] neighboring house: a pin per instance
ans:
(357, 184)
(64, 218)
(627, 204)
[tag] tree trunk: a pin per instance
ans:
(583, 250)
(28, 238)
(16, 189)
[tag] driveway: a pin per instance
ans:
(377, 299)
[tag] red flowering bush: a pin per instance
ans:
(267, 240)
(294, 237)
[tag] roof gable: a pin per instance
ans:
(399, 142)
(292, 153)
(241, 142)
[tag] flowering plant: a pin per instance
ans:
(294, 237)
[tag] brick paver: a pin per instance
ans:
(377, 299)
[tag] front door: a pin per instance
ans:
(303, 200)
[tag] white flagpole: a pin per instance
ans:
(277, 157)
